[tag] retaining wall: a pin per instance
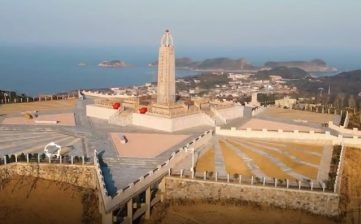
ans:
(169, 124)
(354, 141)
(79, 175)
(320, 203)
(105, 113)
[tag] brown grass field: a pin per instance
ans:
(302, 169)
(311, 117)
(233, 163)
(14, 108)
(206, 162)
(265, 165)
(46, 203)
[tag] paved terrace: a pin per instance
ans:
(120, 167)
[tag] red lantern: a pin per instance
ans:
(143, 110)
(116, 106)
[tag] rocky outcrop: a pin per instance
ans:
(316, 65)
(114, 64)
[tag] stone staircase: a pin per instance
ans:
(131, 162)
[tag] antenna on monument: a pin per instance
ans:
(329, 90)
(167, 39)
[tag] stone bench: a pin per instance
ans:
(123, 139)
(45, 122)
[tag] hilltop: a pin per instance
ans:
(345, 82)
(213, 64)
(316, 65)
(284, 72)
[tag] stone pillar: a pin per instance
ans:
(72, 159)
(264, 181)
(287, 183)
(60, 159)
(240, 179)
(216, 176)
(162, 189)
(107, 218)
(130, 210)
(328, 110)
(21, 100)
(27, 158)
(27, 99)
(205, 175)
(275, 182)
(252, 180)
(38, 158)
(83, 160)
(49, 159)
(5, 161)
(311, 186)
(16, 158)
(148, 199)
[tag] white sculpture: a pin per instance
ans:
(48, 154)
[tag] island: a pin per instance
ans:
(115, 63)
(316, 65)
(215, 64)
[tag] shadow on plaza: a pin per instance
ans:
(108, 177)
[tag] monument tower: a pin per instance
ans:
(166, 71)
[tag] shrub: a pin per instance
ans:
(12, 159)
(22, 157)
(236, 176)
(76, 159)
(258, 180)
(210, 173)
(280, 182)
(43, 156)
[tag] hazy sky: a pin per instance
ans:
(216, 23)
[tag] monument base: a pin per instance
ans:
(167, 123)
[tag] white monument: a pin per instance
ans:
(166, 70)
(49, 154)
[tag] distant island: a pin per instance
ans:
(82, 64)
(115, 63)
(213, 64)
(316, 65)
(228, 64)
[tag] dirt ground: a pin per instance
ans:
(210, 213)
(46, 202)
(218, 214)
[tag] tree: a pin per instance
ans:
(351, 101)
(43, 156)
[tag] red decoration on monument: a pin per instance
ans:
(116, 106)
(143, 110)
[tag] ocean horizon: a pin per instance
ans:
(47, 70)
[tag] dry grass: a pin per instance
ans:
(312, 117)
(40, 106)
(308, 147)
(302, 169)
(233, 163)
(206, 162)
(314, 159)
(264, 164)
(351, 183)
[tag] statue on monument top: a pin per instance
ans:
(167, 39)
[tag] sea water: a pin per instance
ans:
(50, 69)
